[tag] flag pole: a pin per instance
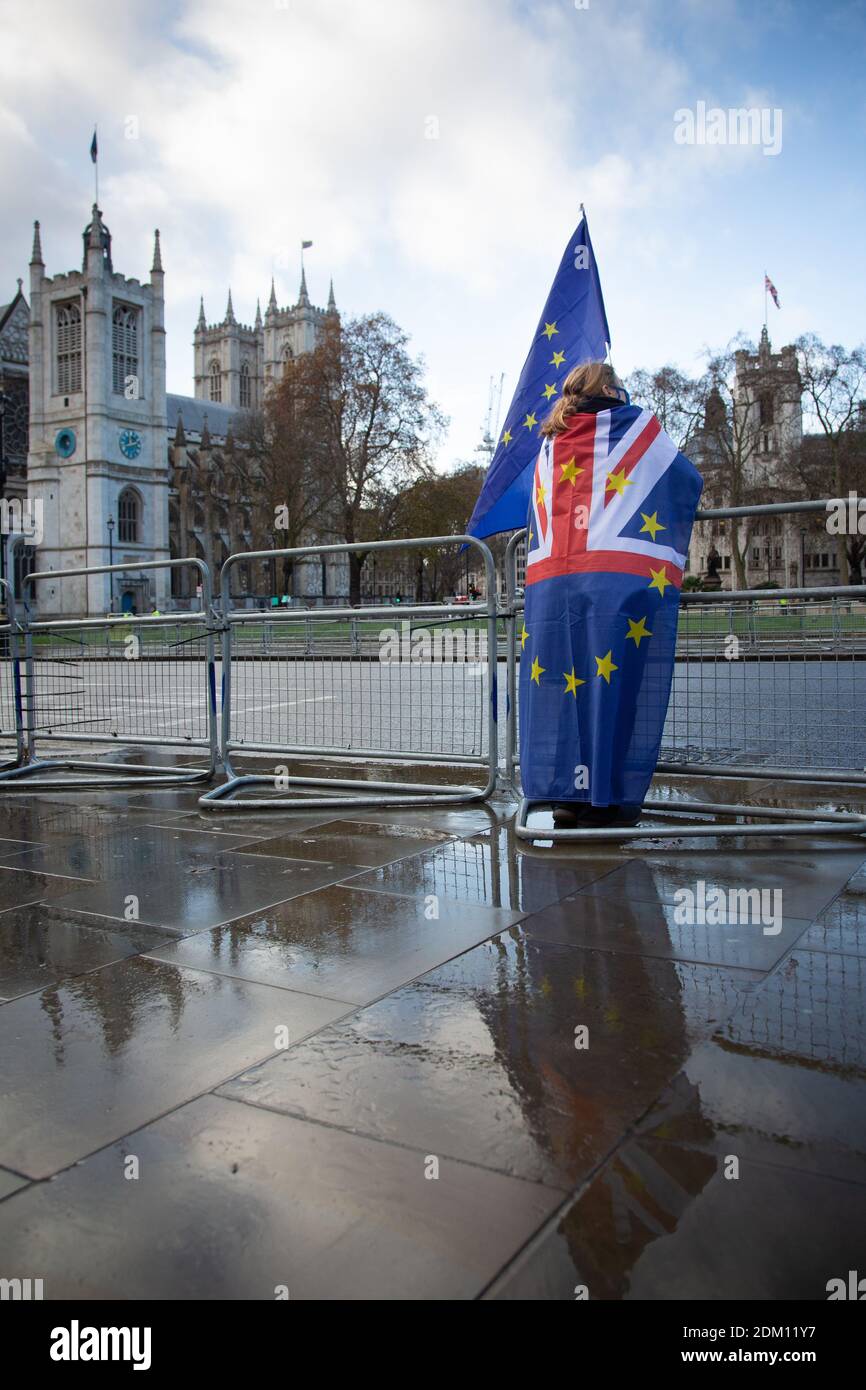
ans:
(765, 300)
(96, 167)
(608, 357)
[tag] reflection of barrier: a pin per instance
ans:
(783, 702)
(138, 682)
(371, 683)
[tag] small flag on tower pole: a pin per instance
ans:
(769, 286)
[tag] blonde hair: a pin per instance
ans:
(589, 379)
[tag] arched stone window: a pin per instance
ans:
(124, 350)
(216, 385)
(246, 393)
(129, 515)
(68, 348)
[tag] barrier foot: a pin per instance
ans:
(124, 776)
(375, 794)
(792, 822)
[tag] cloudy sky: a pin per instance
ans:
(240, 126)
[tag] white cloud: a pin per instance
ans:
(261, 124)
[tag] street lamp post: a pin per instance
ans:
(802, 557)
(111, 562)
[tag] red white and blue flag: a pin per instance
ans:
(610, 518)
(572, 329)
(592, 494)
(771, 289)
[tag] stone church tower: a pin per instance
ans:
(767, 401)
(236, 363)
(98, 458)
(768, 394)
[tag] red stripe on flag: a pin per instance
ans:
(633, 456)
(595, 561)
(569, 539)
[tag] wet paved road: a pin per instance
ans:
(341, 1050)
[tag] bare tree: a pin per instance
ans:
(736, 471)
(360, 403)
(676, 400)
(840, 473)
(834, 380)
(279, 461)
(439, 505)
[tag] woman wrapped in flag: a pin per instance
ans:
(610, 518)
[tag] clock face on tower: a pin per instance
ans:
(130, 443)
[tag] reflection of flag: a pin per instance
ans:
(769, 286)
(572, 329)
(610, 519)
(94, 149)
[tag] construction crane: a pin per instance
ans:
(491, 422)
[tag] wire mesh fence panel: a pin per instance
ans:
(8, 722)
(758, 682)
(418, 687)
(394, 682)
(118, 681)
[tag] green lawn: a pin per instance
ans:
(793, 621)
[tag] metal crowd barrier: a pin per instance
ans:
(125, 680)
(11, 715)
(785, 703)
(340, 683)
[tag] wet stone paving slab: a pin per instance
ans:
(399, 1053)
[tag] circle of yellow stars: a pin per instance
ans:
(605, 666)
(550, 389)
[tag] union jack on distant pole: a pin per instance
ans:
(770, 288)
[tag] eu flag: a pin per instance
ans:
(610, 518)
(572, 329)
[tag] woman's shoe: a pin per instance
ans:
(580, 815)
(569, 815)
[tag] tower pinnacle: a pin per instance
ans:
(36, 254)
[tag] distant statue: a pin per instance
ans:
(712, 580)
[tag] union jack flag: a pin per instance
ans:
(610, 518)
(771, 289)
(602, 500)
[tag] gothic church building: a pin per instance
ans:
(107, 443)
